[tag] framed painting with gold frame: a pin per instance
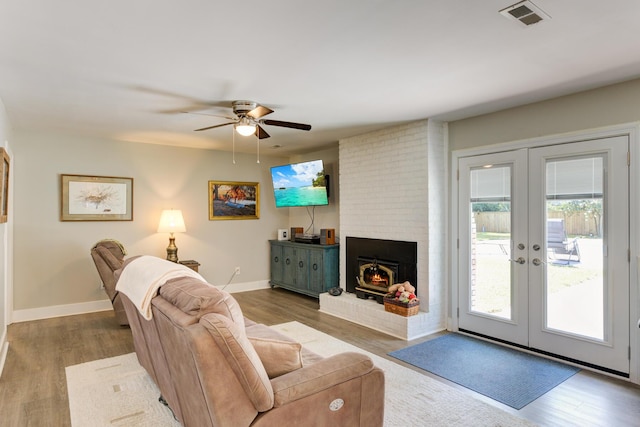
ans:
(96, 198)
(234, 200)
(4, 194)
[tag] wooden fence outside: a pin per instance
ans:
(500, 222)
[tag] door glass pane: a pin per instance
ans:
(490, 206)
(575, 286)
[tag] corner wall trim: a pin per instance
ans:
(3, 353)
(60, 310)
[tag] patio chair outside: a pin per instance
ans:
(559, 243)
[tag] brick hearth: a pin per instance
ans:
(372, 315)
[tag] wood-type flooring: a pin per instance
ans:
(33, 388)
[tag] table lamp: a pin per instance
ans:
(171, 221)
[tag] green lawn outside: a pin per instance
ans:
(493, 273)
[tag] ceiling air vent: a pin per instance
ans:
(525, 12)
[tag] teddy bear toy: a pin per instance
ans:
(403, 292)
(406, 296)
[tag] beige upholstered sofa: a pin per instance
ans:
(216, 368)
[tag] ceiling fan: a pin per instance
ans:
(248, 120)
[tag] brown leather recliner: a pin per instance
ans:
(108, 255)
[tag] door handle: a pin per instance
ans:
(537, 261)
(519, 260)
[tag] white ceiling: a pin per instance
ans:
(123, 69)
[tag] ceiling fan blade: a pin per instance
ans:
(259, 111)
(286, 124)
(261, 133)
(213, 127)
(210, 115)
(194, 104)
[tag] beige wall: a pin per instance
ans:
(578, 113)
(609, 105)
(52, 262)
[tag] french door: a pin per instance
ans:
(543, 249)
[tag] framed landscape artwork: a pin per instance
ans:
(234, 200)
(96, 198)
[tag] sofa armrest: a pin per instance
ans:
(320, 376)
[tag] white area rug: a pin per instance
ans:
(118, 392)
(115, 392)
(411, 398)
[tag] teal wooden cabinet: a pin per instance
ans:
(305, 268)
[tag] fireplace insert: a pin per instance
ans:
(373, 265)
(376, 275)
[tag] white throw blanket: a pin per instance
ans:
(143, 276)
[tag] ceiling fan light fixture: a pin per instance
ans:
(248, 120)
(245, 127)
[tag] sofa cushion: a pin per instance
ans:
(278, 357)
(258, 330)
(196, 298)
(245, 363)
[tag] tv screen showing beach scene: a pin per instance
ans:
(299, 184)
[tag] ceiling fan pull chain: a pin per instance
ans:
(233, 137)
(258, 145)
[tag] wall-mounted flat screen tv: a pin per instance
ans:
(300, 184)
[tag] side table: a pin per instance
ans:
(192, 264)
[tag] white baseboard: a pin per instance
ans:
(60, 310)
(4, 349)
(246, 286)
(104, 305)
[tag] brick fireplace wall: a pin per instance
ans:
(393, 186)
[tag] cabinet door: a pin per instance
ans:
(302, 268)
(316, 271)
(276, 263)
(289, 269)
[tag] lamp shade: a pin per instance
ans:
(246, 130)
(245, 127)
(171, 221)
